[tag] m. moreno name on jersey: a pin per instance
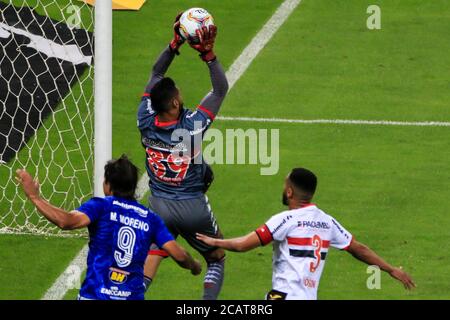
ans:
(131, 222)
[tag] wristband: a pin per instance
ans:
(208, 56)
(173, 45)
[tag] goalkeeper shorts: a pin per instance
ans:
(186, 218)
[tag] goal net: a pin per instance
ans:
(47, 107)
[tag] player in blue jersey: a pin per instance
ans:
(120, 232)
(179, 177)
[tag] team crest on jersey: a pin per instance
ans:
(118, 276)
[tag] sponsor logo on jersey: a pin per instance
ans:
(140, 211)
(340, 229)
(188, 116)
(179, 147)
(314, 224)
(309, 283)
(199, 130)
(118, 276)
(149, 106)
(156, 144)
(115, 292)
(281, 224)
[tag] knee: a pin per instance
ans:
(216, 255)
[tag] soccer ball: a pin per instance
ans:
(192, 20)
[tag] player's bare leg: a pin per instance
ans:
(150, 268)
(154, 258)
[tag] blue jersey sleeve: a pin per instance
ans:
(93, 208)
(162, 234)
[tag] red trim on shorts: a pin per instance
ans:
(146, 94)
(160, 253)
(306, 242)
(208, 112)
(264, 235)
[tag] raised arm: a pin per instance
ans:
(61, 218)
(367, 255)
(160, 68)
(166, 57)
(213, 100)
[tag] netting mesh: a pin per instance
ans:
(46, 99)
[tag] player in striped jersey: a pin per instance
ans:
(301, 238)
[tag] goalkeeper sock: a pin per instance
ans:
(214, 279)
(147, 282)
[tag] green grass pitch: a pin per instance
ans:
(387, 185)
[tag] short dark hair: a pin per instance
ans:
(161, 94)
(122, 176)
(304, 179)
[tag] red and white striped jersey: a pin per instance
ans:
(301, 239)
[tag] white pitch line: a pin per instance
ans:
(59, 289)
(142, 186)
(340, 121)
(68, 278)
(266, 33)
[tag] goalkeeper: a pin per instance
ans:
(179, 176)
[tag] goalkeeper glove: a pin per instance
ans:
(205, 45)
(177, 40)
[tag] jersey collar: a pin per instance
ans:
(163, 124)
(308, 205)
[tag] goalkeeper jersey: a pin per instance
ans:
(174, 163)
(301, 239)
(120, 234)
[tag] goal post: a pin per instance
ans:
(55, 105)
(103, 92)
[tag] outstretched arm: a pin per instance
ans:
(241, 244)
(213, 100)
(160, 68)
(166, 57)
(367, 255)
(61, 218)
